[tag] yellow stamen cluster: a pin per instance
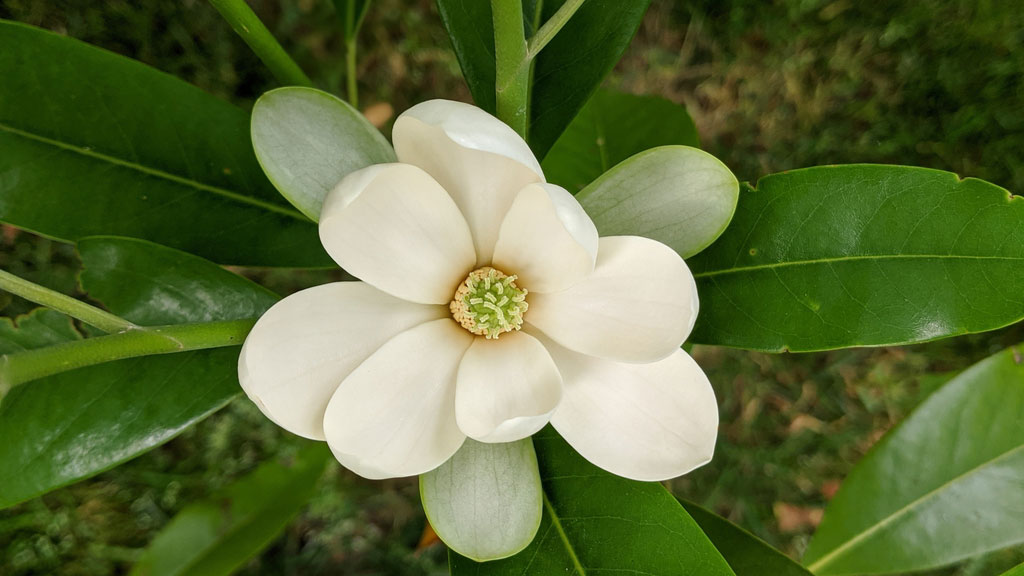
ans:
(488, 303)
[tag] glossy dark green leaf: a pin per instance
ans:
(216, 536)
(40, 327)
(153, 285)
(746, 554)
(307, 140)
(76, 424)
(862, 255)
(562, 80)
(94, 143)
(471, 30)
(942, 486)
(680, 196)
(600, 31)
(597, 523)
(612, 127)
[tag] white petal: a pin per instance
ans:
(641, 421)
(485, 502)
(507, 388)
(395, 414)
(478, 159)
(546, 239)
(639, 305)
(305, 345)
(393, 226)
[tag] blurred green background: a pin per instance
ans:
(771, 85)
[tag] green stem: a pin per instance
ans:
(20, 367)
(350, 72)
(353, 22)
(552, 27)
(512, 67)
(247, 25)
(63, 303)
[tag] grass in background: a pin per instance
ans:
(772, 86)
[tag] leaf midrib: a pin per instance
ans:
(904, 510)
(838, 259)
(557, 523)
(234, 196)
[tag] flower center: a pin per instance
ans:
(489, 303)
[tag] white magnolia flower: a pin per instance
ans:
(488, 307)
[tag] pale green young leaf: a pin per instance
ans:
(485, 501)
(308, 140)
(677, 195)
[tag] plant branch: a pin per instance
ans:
(512, 67)
(20, 367)
(353, 21)
(350, 72)
(551, 28)
(247, 25)
(63, 303)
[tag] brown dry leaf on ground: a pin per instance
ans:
(796, 518)
(830, 487)
(805, 422)
(428, 538)
(379, 113)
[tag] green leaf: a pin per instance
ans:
(485, 501)
(216, 536)
(862, 255)
(152, 285)
(94, 143)
(596, 522)
(680, 196)
(612, 127)
(471, 30)
(352, 13)
(1018, 571)
(308, 140)
(562, 80)
(943, 486)
(76, 424)
(37, 329)
(746, 554)
(40, 328)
